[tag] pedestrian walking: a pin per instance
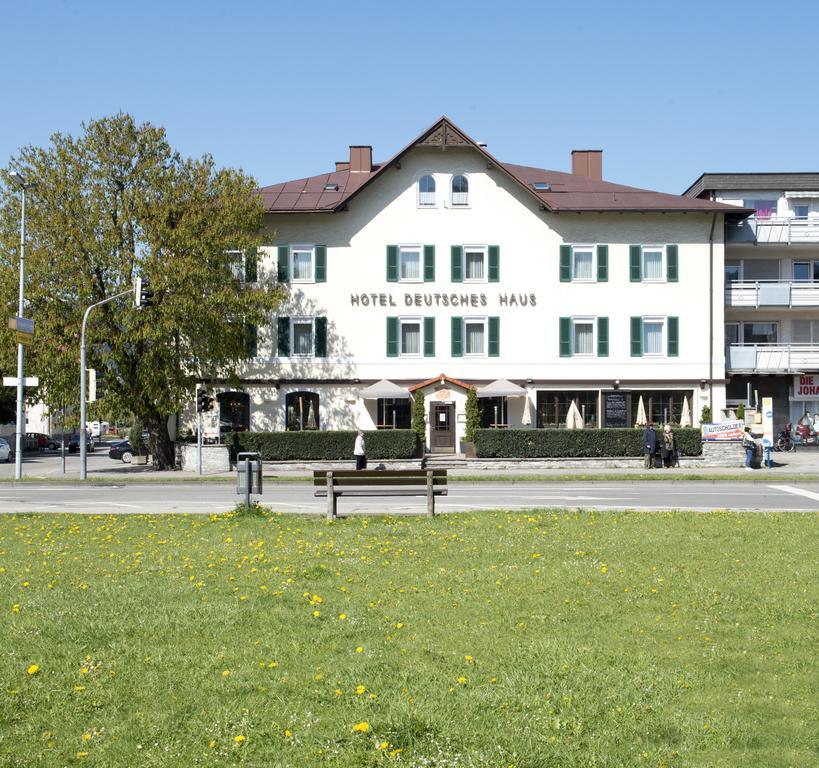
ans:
(649, 446)
(669, 447)
(359, 451)
(749, 444)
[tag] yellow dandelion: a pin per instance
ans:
(604, 568)
(362, 727)
(461, 680)
(33, 669)
(399, 625)
(469, 659)
(81, 755)
(360, 690)
(239, 739)
(359, 649)
(381, 745)
(225, 673)
(86, 736)
(316, 614)
(79, 688)
(287, 733)
(212, 744)
(15, 608)
(272, 664)
(339, 692)
(342, 616)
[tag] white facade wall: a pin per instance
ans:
(502, 214)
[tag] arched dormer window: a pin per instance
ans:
(426, 191)
(460, 190)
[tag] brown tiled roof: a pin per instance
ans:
(568, 192)
(442, 377)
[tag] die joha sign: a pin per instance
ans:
(806, 387)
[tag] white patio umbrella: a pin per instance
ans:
(573, 418)
(685, 416)
(311, 417)
(526, 419)
(641, 413)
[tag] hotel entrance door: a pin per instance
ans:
(442, 428)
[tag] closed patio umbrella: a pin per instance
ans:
(685, 416)
(573, 418)
(641, 413)
(526, 419)
(311, 417)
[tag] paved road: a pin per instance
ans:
(210, 497)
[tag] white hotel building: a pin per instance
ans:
(444, 268)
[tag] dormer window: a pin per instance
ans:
(426, 191)
(460, 190)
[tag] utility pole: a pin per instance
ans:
(21, 182)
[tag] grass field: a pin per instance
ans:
(551, 638)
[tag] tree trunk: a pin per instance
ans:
(159, 441)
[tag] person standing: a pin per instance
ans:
(669, 447)
(749, 444)
(649, 446)
(359, 451)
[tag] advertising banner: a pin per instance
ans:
(767, 422)
(726, 430)
(806, 386)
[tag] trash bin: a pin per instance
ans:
(249, 475)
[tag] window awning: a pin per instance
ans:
(384, 388)
(501, 388)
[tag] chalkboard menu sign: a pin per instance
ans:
(615, 409)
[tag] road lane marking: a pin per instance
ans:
(796, 491)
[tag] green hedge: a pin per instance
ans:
(324, 446)
(573, 443)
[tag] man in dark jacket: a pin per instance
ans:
(649, 445)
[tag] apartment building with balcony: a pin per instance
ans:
(771, 287)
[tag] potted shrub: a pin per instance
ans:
(473, 422)
(137, 445)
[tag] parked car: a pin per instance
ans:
(121, 451)
(34, 441)
(54, 441)
(6, 453)
(74, 444)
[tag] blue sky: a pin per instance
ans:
(667, 90)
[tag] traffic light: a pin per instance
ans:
(96, 385)
(204, 402)
(143, 295)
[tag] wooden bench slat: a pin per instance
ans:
(345, 473)
(385, 492)
(380, 481)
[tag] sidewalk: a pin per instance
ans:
(802, 464)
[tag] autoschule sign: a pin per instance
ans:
(806, 386)
(726, 430)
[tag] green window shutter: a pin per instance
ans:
(672, 266)
(321, 336)
(251, 339)
(321, 263)
(673, 336)
(284, 264)
(602, 263)
(494, 337)
(429, 337)
(494, 263)
(635, 256)
(392, 263)
(602, 337)
(283, 336)
(457, 257)
(251, 266)
(636, 336)
(457, 337)
(565, 263)
(429, 263)
(565, 337)
(392, 337)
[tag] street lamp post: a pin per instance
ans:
(21, 182)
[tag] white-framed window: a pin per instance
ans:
(410, 264)
(805, 331)
(760, 332)
(459, 190)
(583, 336)
(653, 258)
(765, 208)
(476, 265)
(426, 191)
(302, 263)
(302, 337)
(582, 263)
(806, 271)
(801, 210)
(409, 336)
(654, 339)
(475, 336)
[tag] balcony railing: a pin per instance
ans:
(772, 358)
(773, 230)
(772, 293)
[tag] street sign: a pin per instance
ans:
(22, 325)
(28, 381)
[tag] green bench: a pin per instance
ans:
(376, 482)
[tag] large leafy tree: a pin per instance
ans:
(111, 204)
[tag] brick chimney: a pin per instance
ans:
(361, 159)
(588, 162)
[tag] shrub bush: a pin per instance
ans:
(573, 443)
(323, 446)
